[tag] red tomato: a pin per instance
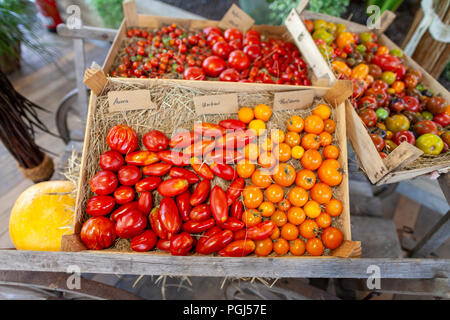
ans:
(200, 212)
(169, 215)
(111, 160)
(443, 119)
(253, 51)
(207, 129)
(236, 210)
(234, 190)
(122, 139)
(230, 74)
(368, 116)
(232, 223)
(201, 192)
(141, 158)
(145, 202)
(252, 33)
(425, 126)
(261, 231)
(156, 169)
(155, 141)
(219, 204)
(213, 66)
(368, 102)
(192, 226)
(232, 34)
(378, 141)
(156, 224)
(100, 205)
(411, 103)
(403, 135)
(148, 184)
(124, 194)
(233, 124)
(183, 139)
(123, 209)
(144, 241)
(236, 44)
(238, 248)
(214, 240)
(129, 175)
(181, 244)
(163, 245)
(194, 73)
(238, 60)
(98, 233)
(104, 183)
(174, 158)
(184, 205)
(208, 30)
(222, 49)
(202, 169)
(173, 187)
(177, 172)
(224, 171)
(130, 224)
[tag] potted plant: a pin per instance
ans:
(18, 22)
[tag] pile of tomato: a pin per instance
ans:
(267, 205)
(389, 98)
(229, 55)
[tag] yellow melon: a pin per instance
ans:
(41, 215)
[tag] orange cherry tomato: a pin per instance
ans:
(246, 114)
(292, 139)
(324, 220)
(284, 174)
(329, 126)
(253, 196)
(305, 179)
(251, 218)
(314, 124)
(360, 72)
(382, 50)
(296, 215)
(322, 110)
(267, 160)
(315, 247)
(282, 152)
(345, 39)
(398, 86)
(325, 139)
(261, 178)
(312, 209)
(309, 229)
(274, 193)
(262, 112)
(263, 247)
(289, 231)
(277, 136)
(245, 168)
(312, 159)
(334, 207)
(311, 141)
(279, 218)
(295, 124)
(297, 247)
(331, 152)
(251, 151)
(298, 196)
(341, 68)
(280, 246)
(266, 144)
(321, 193)
(330, 172)
(267, 209)
(332, 237)
(276, 233)
(284, 205)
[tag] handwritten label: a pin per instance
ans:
(236, 18)
(129, 100)
(215, 104)
(293, 100)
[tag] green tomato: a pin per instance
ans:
(427, 115)
(361, 48)
(365, 37)
(430, 143)
(382, 114)
(397, 53)
(324, 35)
(326, 51)
(389, 77)
(397, 122)
(420, 87)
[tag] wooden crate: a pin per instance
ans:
(334, 96)
(133, 19)
(398, 165)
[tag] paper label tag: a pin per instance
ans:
(236, 18)
(293, 100)
(130, 100)
(216, 104)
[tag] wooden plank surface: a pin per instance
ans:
(283, 267)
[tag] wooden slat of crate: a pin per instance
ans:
(378, 171)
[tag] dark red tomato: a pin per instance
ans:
(368, 116)
(378, 141)
(443, 119)
(201, 192)
(213, 66)
(104, 183)
(387, 62)
(122, 139)
(123, 209)
(219, 204)
(174, 158)
(111, 160)
(411, 103)
(238, 60)
(145, 202)
(192, 226)
(236, 210)
(400, 71)
(169, 215)
(181, 244)
(379, 94)
(163, 245)
(224, 171)
(235, 190)
(403, 135)
(425, 126)
(380, 85)
(144, 241)
(214, 240)
(100, 205)
(233, 124)
(183, 139)
(232, 34)
(194, 73)
(177, 172)
(232, 223)
(173, 187)
(98, 233)
(124, 194)
(368, 102)
(253, 51)
(156, 224)
(436, 105)
(155, 141)
(230, 74)
(375, 71)
(184, 205)
(397, 104)
(222, 49)
(200, 212)
(156, 169)
(129, 175)
(130, 224)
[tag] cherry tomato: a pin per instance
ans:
(332, 237)
(98, 233)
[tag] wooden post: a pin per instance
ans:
(130, 13)
(96, 80)
(386, 19)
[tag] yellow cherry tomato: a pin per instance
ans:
(258, 126)
(262, 112)
(360, 72)
(345, 39)
(297, 152)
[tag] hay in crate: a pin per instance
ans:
(174, 112)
